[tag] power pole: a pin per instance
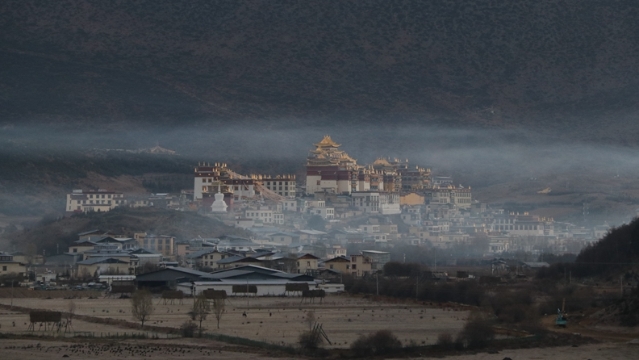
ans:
(377, 281)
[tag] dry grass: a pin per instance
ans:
(281, 320)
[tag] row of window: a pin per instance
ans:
(518, 227)
(159, 241)
(259, 214)
(104, 196)
(99, 202)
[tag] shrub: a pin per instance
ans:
(477, 333)
(445, 341)
(378, 343)
(309, 340)
(188, 328)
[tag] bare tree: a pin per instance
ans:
(200, 310)
(142, 305)
(218, 310)
(309, 318)
(71, 310)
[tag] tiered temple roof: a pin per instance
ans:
(327, 153)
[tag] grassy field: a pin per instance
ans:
(274, 320)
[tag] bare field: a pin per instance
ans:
(612, 351)
(16, 322)
(19, 349)
(275, 320)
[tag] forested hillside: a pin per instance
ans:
(569, 66)
(52, 234)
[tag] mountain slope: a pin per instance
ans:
(560, 65)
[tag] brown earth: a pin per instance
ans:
(280, 320)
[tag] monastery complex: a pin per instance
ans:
(305, 224)
(377, 188)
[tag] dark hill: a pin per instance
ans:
(51, 233)
(569, 66)
(616, 251)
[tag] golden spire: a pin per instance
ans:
(327, 142)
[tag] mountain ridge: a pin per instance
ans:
(548, 65)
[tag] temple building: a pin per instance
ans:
(208, 178)
(330, 169)
(101, 200)
(283, 185)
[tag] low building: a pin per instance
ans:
(94, 200)
(207, 258)
(169, 278)
(282, 185)
(266, 216)
(284, 238)
(236, 261)
(326, 213)
(307, 264)
(103, 265)
(162, 244)
(376, 202)
(264, 281)
(378, 259)
(81, 247)
(340, 264)
(10, 267)
(360, 265)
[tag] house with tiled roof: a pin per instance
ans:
(207, 258)
(102, 265)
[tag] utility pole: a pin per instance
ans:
(377, 281)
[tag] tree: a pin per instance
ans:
(395, 268)
(71, 311)
(477, 333)
(310, 319)
(377, 343)
(200, 310)
(218, 310)
(142, 305)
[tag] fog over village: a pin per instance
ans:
(264, 179)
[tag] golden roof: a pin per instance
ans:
(327, 142)
(381, 161)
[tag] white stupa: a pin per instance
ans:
(218, 206)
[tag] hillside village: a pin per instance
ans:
(342, 218)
